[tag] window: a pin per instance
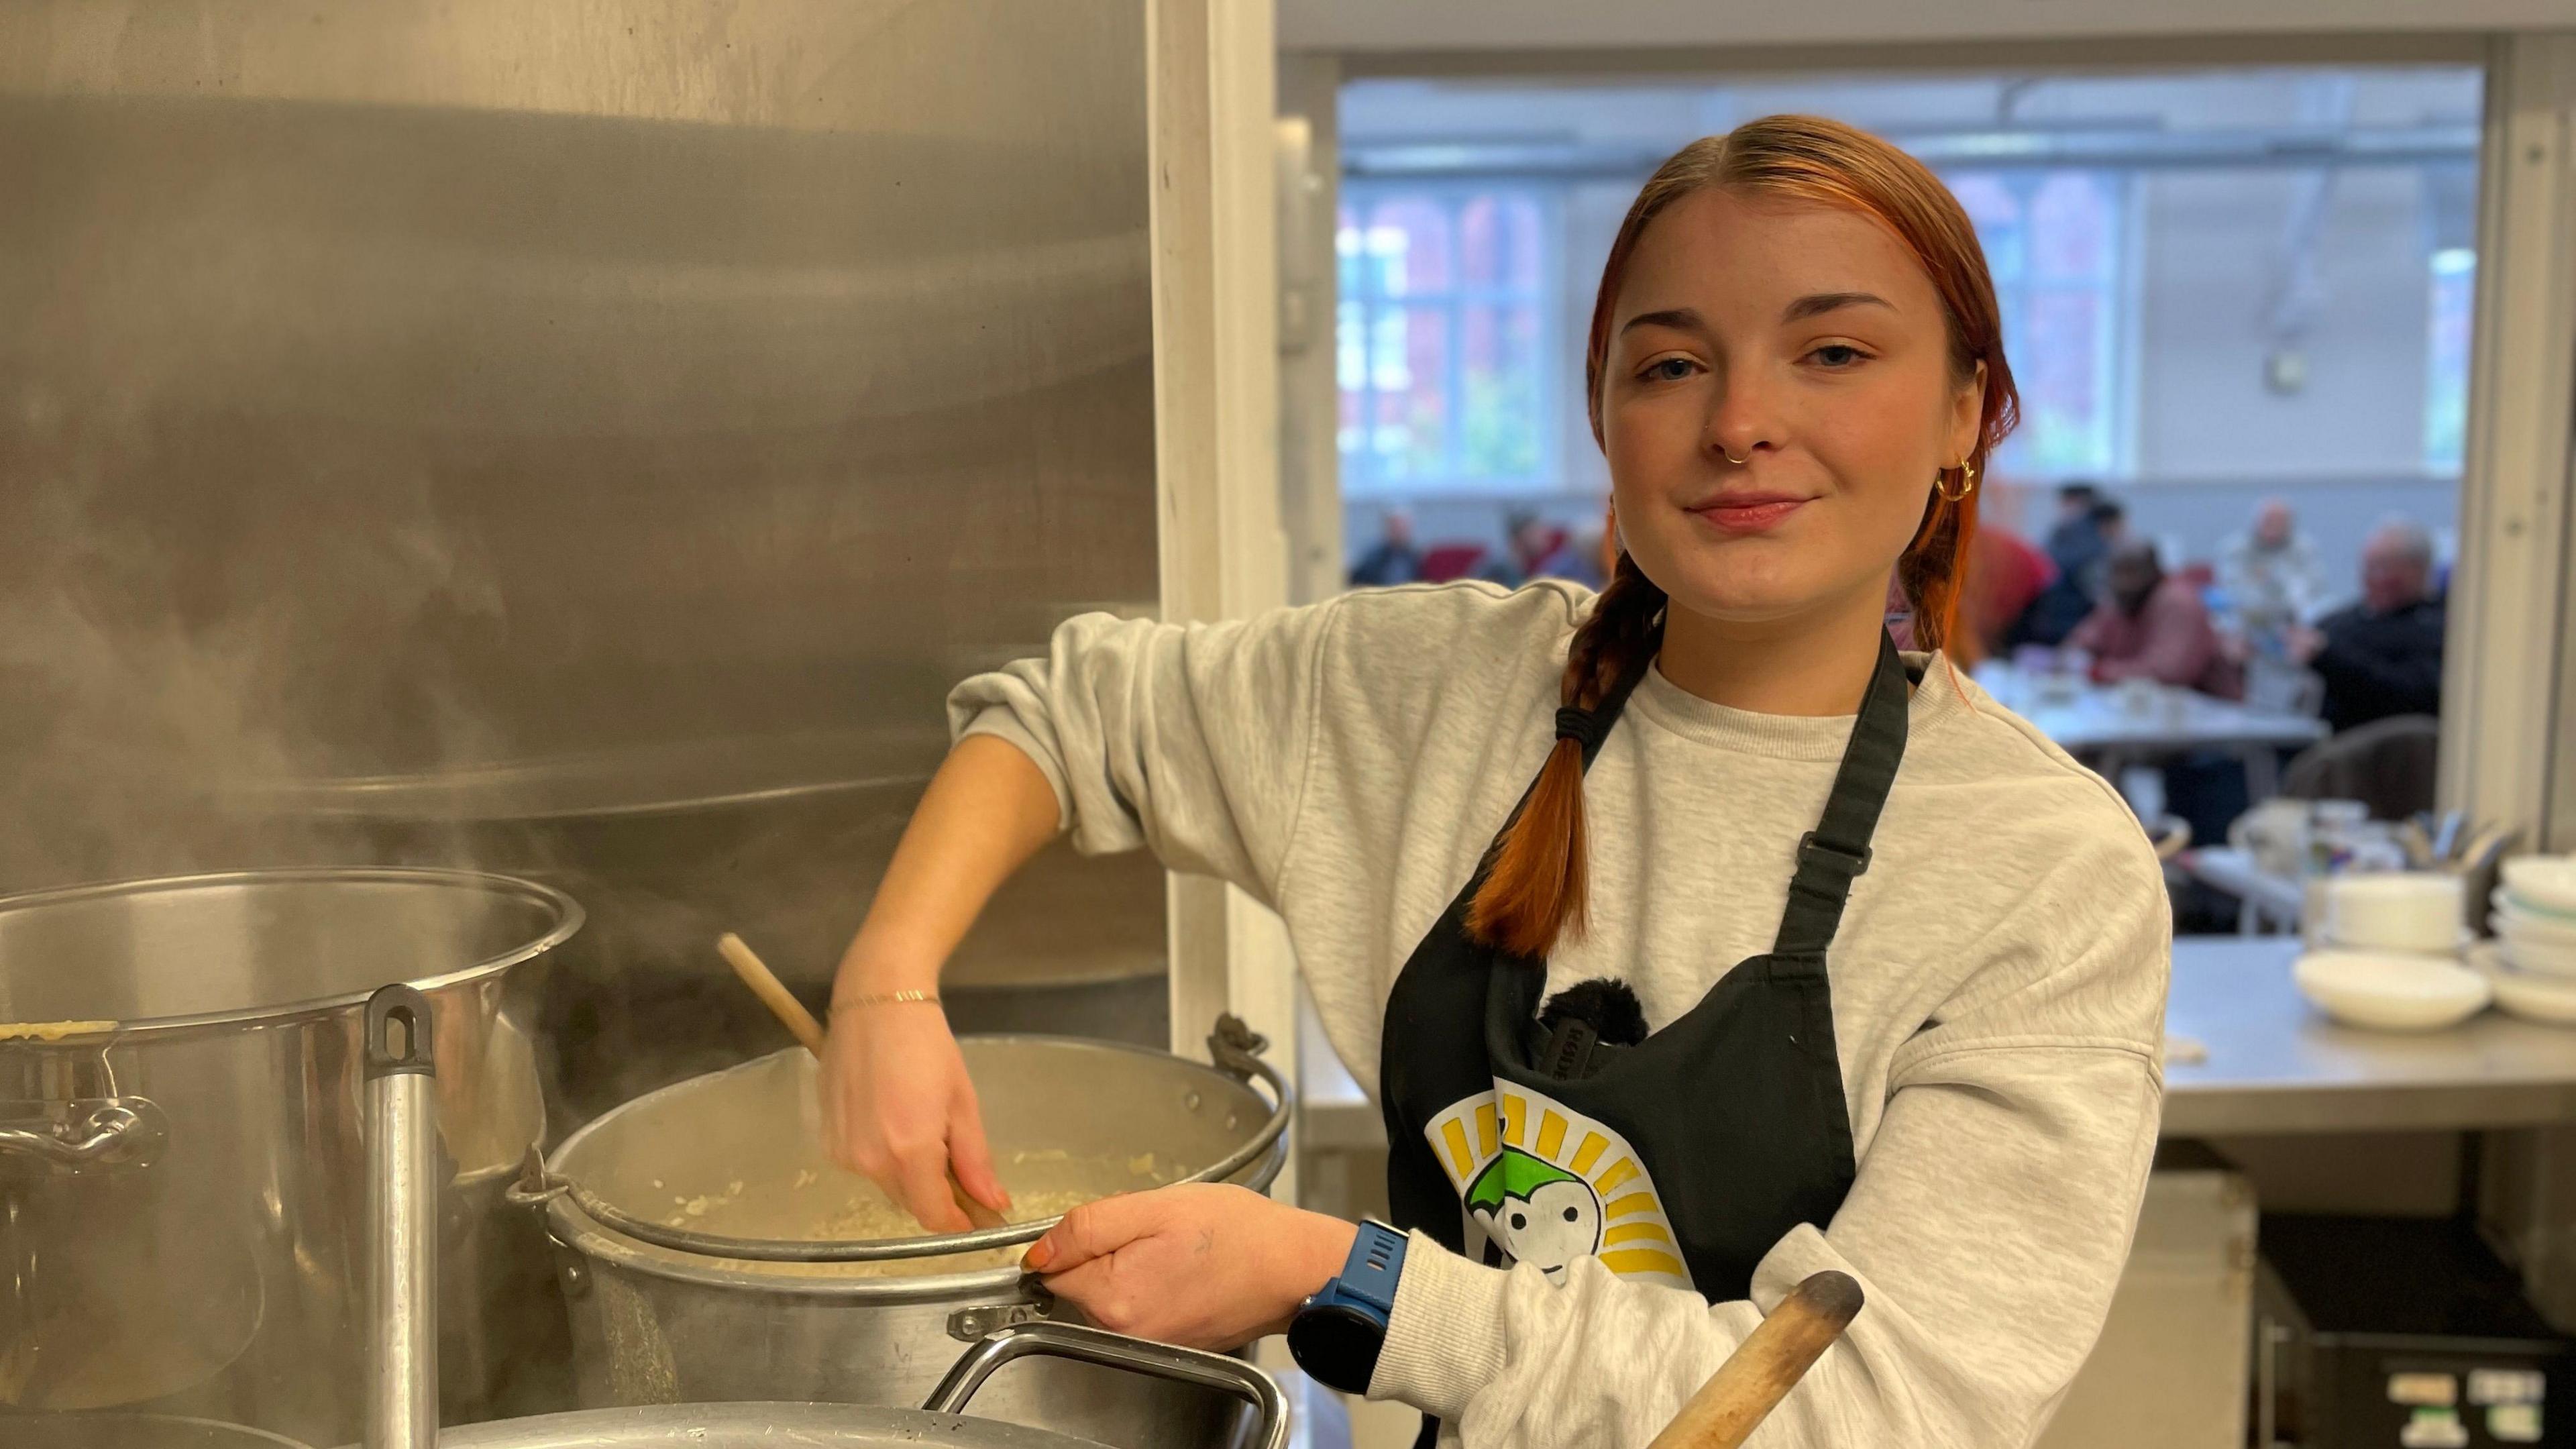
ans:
(2053, 240)
(2446, 370)
(1445, 348)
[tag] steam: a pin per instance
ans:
(160, 708)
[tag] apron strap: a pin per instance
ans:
(1836, 852)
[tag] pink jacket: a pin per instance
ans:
(2170, 641)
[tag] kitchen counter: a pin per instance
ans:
(2275, 1065)
(2272, 1065)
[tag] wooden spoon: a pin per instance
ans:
(783, 1004)
(1765, 1366)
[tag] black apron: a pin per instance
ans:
(1681, 1159)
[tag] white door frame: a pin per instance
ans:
(1216, 410)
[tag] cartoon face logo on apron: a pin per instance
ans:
(1541, 1183)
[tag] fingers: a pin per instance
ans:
(1093, 1230)
(891, 1106)
(1094, 1289)
(970, 1155)
(921, 1185)
(1078, 1259)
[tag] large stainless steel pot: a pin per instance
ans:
(841, 1426)
(733, 1158)
(132, 1431)
(182, 1177)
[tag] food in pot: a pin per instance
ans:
(823, 1204)
(51, 1030)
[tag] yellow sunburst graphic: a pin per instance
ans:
(1548, 1185)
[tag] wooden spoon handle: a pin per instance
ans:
(1765, 1366)
(782, 1003)
(773, 993)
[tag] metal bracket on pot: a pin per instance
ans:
(970, 1325)
(105, 1132)
(1111, 1350)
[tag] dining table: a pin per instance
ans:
(2141, 722)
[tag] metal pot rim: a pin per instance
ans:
(573, 1228)
(660, 1424)
(240, 1433)
(567, 911)
(578, 1231)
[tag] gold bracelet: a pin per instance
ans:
(884, 998)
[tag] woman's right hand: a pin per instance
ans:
(899, 1108)
(896, 1102)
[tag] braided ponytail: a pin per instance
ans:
(1535, 887)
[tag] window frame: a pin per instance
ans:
(1546, 478)
(2122, 295)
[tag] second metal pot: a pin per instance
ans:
(653, 1324)
(843, 1426)
(182, 1181)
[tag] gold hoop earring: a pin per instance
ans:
(1967, 484)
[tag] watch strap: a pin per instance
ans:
(1375, 1266)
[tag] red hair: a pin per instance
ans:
(1534, 887)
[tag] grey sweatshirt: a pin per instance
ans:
(1998, 981)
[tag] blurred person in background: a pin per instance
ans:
(1537, 549)
(2007, 576)
(2382, 656)
(1588, 560)
(1392, 559)
(2271, 573)
(2075, 530)
(2110, 519)
(2152, 625)
(2088, 524)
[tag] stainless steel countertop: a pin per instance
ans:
(2273, 1065)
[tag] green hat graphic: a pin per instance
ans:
(1513, 1174)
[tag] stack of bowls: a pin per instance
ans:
(2392, 959)
(2533, 958)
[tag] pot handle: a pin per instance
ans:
(1236, 1050)
(115, 1132)
(1112, 1350)
(534, 1187)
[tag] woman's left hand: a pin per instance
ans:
(1200, 1264)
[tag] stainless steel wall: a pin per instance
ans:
(583, 439)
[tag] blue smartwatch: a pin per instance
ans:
(1337, 1336)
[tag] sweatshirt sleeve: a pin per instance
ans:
(1191, 740)
(1988, 1226)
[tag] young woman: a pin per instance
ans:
(1902, 960)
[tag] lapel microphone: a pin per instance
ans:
(1585, 1025)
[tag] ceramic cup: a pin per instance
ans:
(2412, 911)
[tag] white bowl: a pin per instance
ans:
(2506, 898)
(2547, 999)
(2390, 992)
(2549, 929)
(2544, 884)
(2413, 911)
(2536, 956)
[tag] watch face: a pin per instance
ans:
(1338, 1346)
